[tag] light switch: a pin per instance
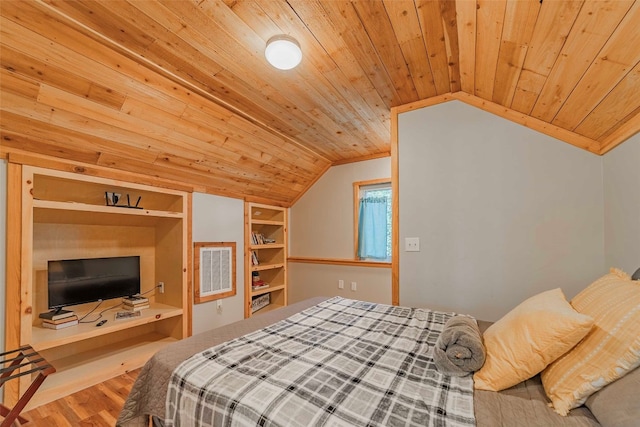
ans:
(412, 244)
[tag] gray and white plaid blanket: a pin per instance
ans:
(339, 363)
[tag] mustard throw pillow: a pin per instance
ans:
(609, 351)
(528, 338)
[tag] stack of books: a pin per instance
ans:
(254, 258)
(135, 303)
(58, 319)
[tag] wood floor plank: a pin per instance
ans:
(95, 406)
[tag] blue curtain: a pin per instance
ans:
(372, 228)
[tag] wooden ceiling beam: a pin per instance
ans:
(594, 25)
(450, 25)
(519, 23)
(73, 23)
(625, 131)
(613, 62)
(551, 30)
(466, 16)
(614, 109)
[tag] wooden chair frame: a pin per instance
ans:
(29, 359)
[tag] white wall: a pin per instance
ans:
(622, 206)
(219, 219)
(503, 212)
(321, 226)
(321, 222)
(313, 280)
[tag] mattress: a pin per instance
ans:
(522, 405)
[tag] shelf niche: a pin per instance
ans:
(271, 223)
(65, 216)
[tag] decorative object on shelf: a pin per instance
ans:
(283, 52)
(260, 302)
(113, 199)
(121, 315)
(214, 270)
(256, 282)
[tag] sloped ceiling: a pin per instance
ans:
(180, 89)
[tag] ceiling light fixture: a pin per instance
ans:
(283, 52)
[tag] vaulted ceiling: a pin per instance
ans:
(181, 90)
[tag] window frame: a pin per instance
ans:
(198, 298)
(357, 187)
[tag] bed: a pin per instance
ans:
(522, 405)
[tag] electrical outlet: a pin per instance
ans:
(412, 244)
(161, 287)
(354, 286)
(340, 284)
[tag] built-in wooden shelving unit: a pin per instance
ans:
(64, 215)
(267, 223)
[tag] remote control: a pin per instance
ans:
(102, 322)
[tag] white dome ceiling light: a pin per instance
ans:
(283, 52)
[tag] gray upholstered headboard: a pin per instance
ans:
(636, 275)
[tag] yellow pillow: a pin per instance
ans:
(608, 352)
(528, 338)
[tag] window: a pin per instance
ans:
(372, 225)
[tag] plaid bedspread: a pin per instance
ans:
(339, 363)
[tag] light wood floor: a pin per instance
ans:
(95, 406)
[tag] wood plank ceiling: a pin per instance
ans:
(180, 89)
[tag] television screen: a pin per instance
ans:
(78, 281)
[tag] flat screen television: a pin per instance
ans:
(79, 281)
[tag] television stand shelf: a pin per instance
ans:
(43, 338)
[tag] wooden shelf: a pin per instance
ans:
(267, 309)
(268, 246)
(44, 338)
(52, 212)
(266, 267)
(267, 290)
(81, 370)
(267, 222)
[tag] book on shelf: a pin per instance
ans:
(60, 321)
(135, 300)
(56, 314)
(59, 325)
(257, 238)
(135, 303)
(256, 286)
(254, 258)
